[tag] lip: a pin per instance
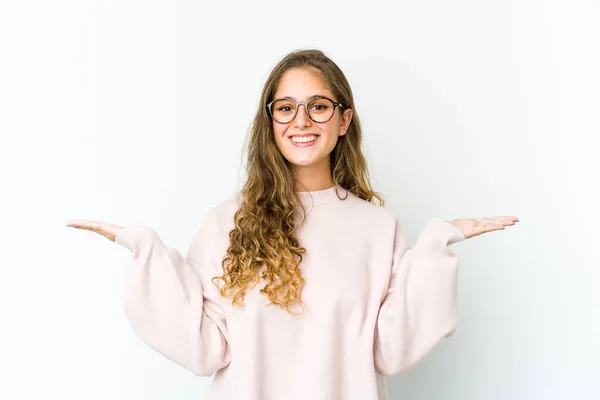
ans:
(308, 144)
(303, 134)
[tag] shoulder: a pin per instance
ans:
(215, 226)
(369, 209)
(371, 214)
(220, 216)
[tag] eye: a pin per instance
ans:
(320, 105)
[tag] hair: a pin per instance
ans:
(263, 239)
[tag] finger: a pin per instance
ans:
(100, 231)
(95, 230)
(93, 227)
(505, 221)
(85, 226)
(499, 218)
(79, 223)
(505, 218)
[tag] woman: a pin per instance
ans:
(300, 286)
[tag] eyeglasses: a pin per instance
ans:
(320, 109)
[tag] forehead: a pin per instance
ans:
(302, 84)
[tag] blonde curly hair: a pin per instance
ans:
(263, 243)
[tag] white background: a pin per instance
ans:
(123, 111)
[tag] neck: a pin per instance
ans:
(312, 178)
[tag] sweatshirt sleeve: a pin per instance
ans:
(420, 307)
(171, 302)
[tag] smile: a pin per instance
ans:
(304, 141)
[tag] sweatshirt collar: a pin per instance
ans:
(325, 196)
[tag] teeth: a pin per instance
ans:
(305, 139)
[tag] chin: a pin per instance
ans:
(302, 163)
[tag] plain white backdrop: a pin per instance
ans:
(135, 112)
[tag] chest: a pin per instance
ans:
(344, 279)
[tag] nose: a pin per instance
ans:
(302, 119)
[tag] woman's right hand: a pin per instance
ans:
(108, 231)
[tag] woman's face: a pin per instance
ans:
(301, 85)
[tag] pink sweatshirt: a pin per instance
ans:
(375, 306)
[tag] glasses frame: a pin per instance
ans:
(305, 103)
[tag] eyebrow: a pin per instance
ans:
(310, 98)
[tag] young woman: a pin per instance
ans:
(299, 286)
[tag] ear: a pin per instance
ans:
(345, 121)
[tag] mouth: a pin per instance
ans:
(304, 140)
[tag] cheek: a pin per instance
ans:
(278, 130)
(331, 130)
(279, 134)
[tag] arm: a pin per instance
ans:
(420, 307)
(170, 301)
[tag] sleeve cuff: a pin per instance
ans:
(439, 233)
(122, 239)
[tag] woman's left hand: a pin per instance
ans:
(476, 226)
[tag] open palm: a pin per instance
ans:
(476, 226)
(106, 230)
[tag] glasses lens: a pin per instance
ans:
(320, 110)
(283, 110)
